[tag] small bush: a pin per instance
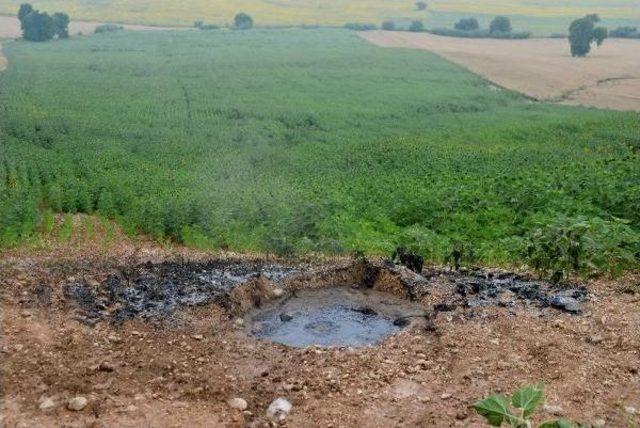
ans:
(582, 246)
(467, 24)
(625, 33)
(242, 21)
(356, 26)
(108, 28)
(416, 26)
(479, 34)
(388, 25)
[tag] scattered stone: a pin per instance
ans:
(47, 404)
(238, 403)
(106, 367)
(565, 303)
(596, 339)
(198, 336)
(77, 403)
(279, 409)
(631, 410)
(554, 410)
(284, 317)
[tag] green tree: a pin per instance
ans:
(242, 21)
(25, 9)
(38, 27)
(416, 26)
(467, 24)
(500, 24)
(583, 32)
(61, 24)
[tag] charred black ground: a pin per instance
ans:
(153, 291)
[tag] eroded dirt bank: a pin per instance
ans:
(178, 366)
(540, 68)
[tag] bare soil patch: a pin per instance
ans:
(486, 331)
(540, 68)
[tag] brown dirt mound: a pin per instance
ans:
(540, 68)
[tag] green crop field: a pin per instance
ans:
(311, 141)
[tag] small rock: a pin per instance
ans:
(47, 404)
(77, 403)
(106, 367)
(136, 333)
(284, 317)
(554, 410)
(239, 322)
(568, 304)
(198, 336)
(599, 423)
(596, 339)
(631, 410)
(461, 415)
(237, 403)
(277, 292)
(279, 409)
(446, 396)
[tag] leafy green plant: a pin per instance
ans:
(517, 410)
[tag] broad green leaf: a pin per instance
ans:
(527, 398)
(495, 409)
(558, 423)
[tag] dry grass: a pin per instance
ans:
(541, 68)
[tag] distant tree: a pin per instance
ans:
(500, 24)
(38, 27)
(420, 5)
(61, 24)
(198, 24)
(583, 32)
(388, 25)
(416, 26)
(243, 21)
(625, 32)
(467, 24)
(24, 10)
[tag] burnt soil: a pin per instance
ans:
(151, 337)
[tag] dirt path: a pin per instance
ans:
(541, 68)
(10, 27)
(181, 370)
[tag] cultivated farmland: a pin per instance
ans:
(541, 68)
(300, 141)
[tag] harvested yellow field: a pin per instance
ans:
(540, 68)
(265, 12)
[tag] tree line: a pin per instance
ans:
(39, 26)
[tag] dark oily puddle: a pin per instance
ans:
(333, 316)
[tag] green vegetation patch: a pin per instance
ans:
(300, 141)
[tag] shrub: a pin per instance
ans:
(61, 25)
(242, 21)
(625, 33)
(39, 26)
(500, 24)
(388, 26)
(467, 24)
(582, 246)
(479, 34)
(356, 26)
(108, 28)
(416, 26)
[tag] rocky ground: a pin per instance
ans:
(66, 362)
